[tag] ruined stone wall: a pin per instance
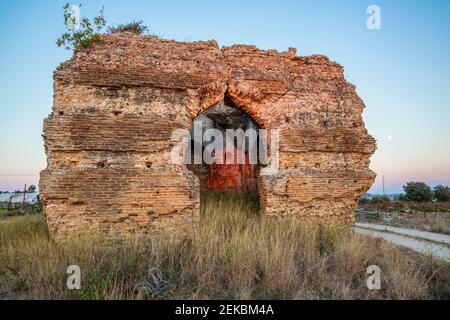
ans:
(115, 106)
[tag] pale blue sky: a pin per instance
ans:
(402, 72)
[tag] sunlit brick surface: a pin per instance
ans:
(115, 106)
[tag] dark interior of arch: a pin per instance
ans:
(235, 177)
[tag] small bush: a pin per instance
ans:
(363, 200)
(381, 202)
(437, 227)
(137, 27)
(418, 191)
(381, 199)
(397, 206)
(83, 35)
(442, 193)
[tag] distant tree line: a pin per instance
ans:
(421, 192)
(31, 189)
(414, 191)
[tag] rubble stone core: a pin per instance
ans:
(108, 138)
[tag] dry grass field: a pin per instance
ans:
(232, 255)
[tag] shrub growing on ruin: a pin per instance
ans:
(137, 27)
(81, 32)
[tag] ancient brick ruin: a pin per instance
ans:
(108, 138)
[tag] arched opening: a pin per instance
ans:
(231, 139)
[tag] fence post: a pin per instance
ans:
(24, 193)
(9, 203)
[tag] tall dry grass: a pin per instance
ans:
(233, 254)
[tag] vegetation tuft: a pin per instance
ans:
(137, 27)
(82, 33)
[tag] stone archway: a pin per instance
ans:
(108, 138)
(238, 175)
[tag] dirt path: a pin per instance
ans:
(436, 222)
(434, 244)
(430, 236)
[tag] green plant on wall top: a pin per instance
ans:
(137, 27)
(81, 32)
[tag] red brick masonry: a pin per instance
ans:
(115, 106)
